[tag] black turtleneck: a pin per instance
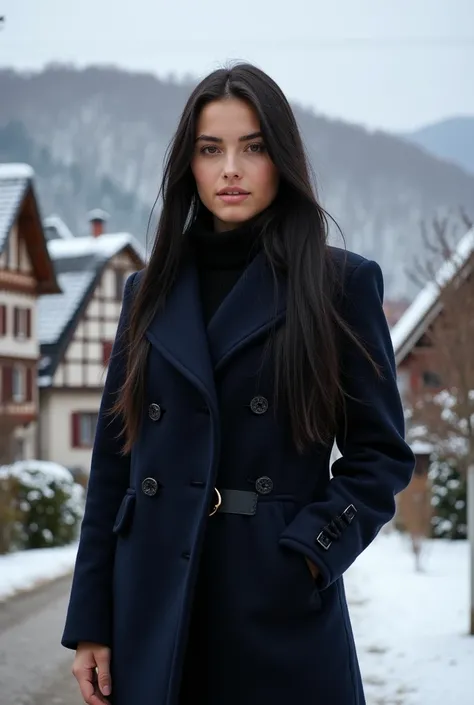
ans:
(221, 259)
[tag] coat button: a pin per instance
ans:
(264, 485)
(149, 486)
(154, 412)
(259, 405)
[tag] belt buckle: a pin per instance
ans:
(217, 503)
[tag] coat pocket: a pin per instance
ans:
(123, 520)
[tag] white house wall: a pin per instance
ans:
(57, 407)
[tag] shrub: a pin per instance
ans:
(449, 500)
(48, 504)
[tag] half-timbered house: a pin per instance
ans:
(76, 331)
(26, 272)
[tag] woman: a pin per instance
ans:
(214, 539)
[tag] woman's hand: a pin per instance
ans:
(313, 569)
(91, 668)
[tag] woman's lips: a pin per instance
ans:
(231, 198)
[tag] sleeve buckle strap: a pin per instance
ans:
(348, 514)
(333, 530)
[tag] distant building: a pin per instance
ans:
(417, 367)
(76, 333)
(26, 272)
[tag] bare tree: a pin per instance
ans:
(444, 414)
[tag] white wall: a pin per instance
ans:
(57, 407)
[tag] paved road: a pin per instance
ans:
(34, 668)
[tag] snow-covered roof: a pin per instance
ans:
(55, 311)
(57, 224)
(78, 261)
(16, 171)
(105, 246)
(426, 304)
(14, 180)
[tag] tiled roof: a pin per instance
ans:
(55, 311)
(14, 180)
(78, 261)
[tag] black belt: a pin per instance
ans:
(234, 502)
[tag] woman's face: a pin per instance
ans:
(235, 177)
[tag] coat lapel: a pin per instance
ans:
(178, 332)
(254, 304)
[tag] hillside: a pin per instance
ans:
(451, 140)
(97, 138)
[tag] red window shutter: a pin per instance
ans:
(76, 430)
(7, 383)
(16, 321)
(106, 351)
(29, 384)
(3, 319)
(28, 322)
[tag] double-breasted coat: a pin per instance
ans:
(270, 633)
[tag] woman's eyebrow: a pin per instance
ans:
(218, 140)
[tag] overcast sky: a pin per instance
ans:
(394, 64)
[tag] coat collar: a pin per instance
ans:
(253, 305)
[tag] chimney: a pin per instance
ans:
(97, 219)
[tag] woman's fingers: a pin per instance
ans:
(103, 671)
(86, 677)
(92, 671)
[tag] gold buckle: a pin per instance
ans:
(217, 504)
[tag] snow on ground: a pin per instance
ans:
(411, 628)
(27, 569)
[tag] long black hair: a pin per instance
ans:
(295, 229)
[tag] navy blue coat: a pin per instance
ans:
(269, 634)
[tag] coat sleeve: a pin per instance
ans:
(89, 613)
(376, 462)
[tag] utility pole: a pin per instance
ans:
(470, 525)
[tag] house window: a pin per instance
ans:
(18, 384)
(431, 380)
(119, 284)
(83, 429)
(22, 323)
(106, 351)
(3, 320)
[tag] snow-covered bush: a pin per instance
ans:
(9, 512)
(48, 503)
(449, 499)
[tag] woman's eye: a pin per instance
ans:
(210, 149)
(256, 147)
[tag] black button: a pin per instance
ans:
(264, 485)
(259, 405)
(324, 540)
(149, 486)
(154, 412)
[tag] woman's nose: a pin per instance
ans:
(232, 169)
